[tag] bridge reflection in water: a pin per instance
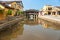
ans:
(32, 30)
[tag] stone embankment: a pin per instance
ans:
(9, 22)
(53, 19)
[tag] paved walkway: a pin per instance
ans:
(51, 18)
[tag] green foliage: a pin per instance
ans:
(9, 12)
(1, 11)
(20, 12)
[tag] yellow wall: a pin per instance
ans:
(19, 7)
(13, 12)
(2, 17)
(13, 4)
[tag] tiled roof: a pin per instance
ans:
(32, 10)
(6, 6)
(8, 2)
(58, 7)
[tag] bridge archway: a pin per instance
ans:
(31, 14)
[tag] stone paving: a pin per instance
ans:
(57, 18)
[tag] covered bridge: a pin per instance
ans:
(31, 14)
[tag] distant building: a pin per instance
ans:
(51, 10)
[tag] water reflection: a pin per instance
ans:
(51, 25)
(8, 34)
(31, 22)
(32, 30)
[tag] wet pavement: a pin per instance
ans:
(32, 30)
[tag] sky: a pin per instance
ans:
(38, 4)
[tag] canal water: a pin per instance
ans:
(32, 30)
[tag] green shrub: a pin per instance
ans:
(9, 12)
(20, 12)
(1, 11)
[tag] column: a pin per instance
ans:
(39, 14)
(51, 13)
(34, 17)
(56, 13)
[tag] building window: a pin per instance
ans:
(49, 13)
(49, 8)
(58, 12)
(54, 13)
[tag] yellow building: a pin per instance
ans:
(17, 5)
(10, 7)
(51, 10)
